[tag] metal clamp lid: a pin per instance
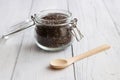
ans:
(74, 25)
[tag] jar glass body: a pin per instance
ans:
(53, 30)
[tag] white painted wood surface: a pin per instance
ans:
(21, 59)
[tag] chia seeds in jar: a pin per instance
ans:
(53, 29)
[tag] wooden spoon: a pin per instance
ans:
(62, 63)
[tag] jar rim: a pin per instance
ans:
(38, 16)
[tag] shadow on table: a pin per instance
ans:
(33, 47)
(52, 69)
(2, 41)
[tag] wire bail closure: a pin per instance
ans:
(74, 23)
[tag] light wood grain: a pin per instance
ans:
(98, 28)
(113, 10)
(33, 63)
(98, 20)
(11, 12)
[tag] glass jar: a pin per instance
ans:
(53, 29)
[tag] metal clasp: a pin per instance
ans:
(74, 26)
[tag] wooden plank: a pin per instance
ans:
(112, 36)
(98, 28)
(44, 4)
(33, 63)
(11, 12)
(113, 9)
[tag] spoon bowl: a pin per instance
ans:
(59, 63)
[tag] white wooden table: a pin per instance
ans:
(99, 21)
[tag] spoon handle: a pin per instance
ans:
(89, 53)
